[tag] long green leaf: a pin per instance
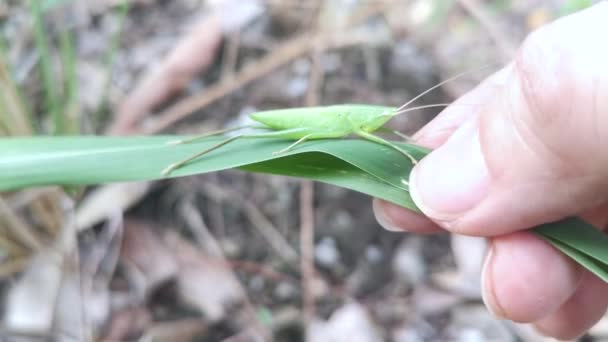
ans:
(585, 244)
(359, 165)
(81, 160)
(51, 97)
(591, 263)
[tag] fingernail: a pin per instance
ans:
(452, 179)
(487, 290)
(383, 219)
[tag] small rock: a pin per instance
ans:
(326, 252)
(351, 323)
(285, 291)
(408, 264)
(374, 254)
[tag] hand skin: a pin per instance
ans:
(530, 146)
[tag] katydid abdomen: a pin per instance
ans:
(336, 119)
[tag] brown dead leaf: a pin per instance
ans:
(31, 301)
(128, 324)
(107, 201)
(181, 330)
(191, 55)
(351, 322)
(429, 301)
(469, 254)
(204, 283)
(148, 260)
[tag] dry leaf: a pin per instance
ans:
(204, 283)
(107, 201)
(30, 304)
(148, 260)
(191, 55)
(351, 322)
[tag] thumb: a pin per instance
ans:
(536, 151)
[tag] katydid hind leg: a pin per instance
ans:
(210, 134)
(167, 171)
(288, 133)
(309, 136)
(402, 135)
(405, 137)
(382, 141)
(290, 147)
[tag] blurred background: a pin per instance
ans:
(233, 256)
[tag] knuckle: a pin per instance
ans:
(538, 65)
(559, 78)
(559, 65)
(542, 112)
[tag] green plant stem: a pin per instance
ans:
(101, 114)
(69, 109)
(51, 100)
(363, 166)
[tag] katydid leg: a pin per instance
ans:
(380, 140)
(395, 132)
(310, 136)
(287, 133)
(401, 135)
(210, 134)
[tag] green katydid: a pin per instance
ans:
(309, 123)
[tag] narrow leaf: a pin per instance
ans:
(592, 264)
(578, 235)
(359, 165)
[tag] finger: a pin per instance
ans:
(586, 306)
(535, 153)
(395, 218)
(525, 279)
(398, 219)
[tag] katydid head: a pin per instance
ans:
(375, 117)
(378, 116)
(376, 121)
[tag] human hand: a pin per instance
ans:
(529, 146)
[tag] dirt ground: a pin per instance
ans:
(234, 256)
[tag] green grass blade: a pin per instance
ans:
(69, 107)
(82, 160)
(102, 112)
(327, 169)
(51, 97)
(4, 130)
(359, 165)
(15, 116)
(592, 264)
(579, 235)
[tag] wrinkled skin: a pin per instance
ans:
(532, 150)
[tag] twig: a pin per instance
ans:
(262, 270)
(17, 228)
(194, 52)
(259, 220)
(500, 37)
(307, 220)
(16, 118)
(25, 197)
(46, 209)
(289, 51)
(207, 241)
(231, 51)
(307, 237)
(12, 266)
